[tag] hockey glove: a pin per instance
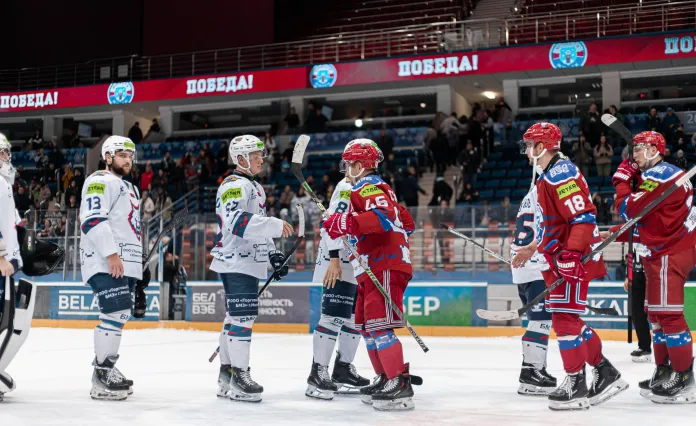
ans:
(570, 267)
(277, 258)
(626, 172)
(140, 305)
(339, 224)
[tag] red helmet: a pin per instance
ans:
(546, 133)
(365, 151)
(651, 138)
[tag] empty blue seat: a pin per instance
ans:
(484, 174)
(495, 156)
(594, 181)
(498, 173)
(505, 164)
(478, 185)
(492, 184)
(486, 195)
(489, 165)
(514, 173)
(518, 194)
(508, 183)
(502, 193)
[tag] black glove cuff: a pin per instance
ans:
(333, 254)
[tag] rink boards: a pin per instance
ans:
(445, 308)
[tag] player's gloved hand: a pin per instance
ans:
(140, 304)
(339, 224)
(277, 258)
(625, 173)
(569, 266)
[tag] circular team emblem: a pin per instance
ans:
(121, 93)
(568, 55)
(323, 76)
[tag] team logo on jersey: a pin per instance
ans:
(323, 76)
(134, 219)
(568, 55)
(121, 93)
(538, 215)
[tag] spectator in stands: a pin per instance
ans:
(222, 158)
(51, 173)
(135, 133)
(591, 125)
(316, 121)
(36, 141)
(385, 143)
(389, 168)
(206, 162)
(134, 176)
(603, 153)
(148, 205)
(78, 178)
(324, 187)
(73, 202)
(470, 160)
(679, 138)
(22, 200)
(670, 122)
(44, 192)
(582, 154)
(67, 177)
(42, 160)
(428, 140)
(154, 127)
(272, 206)
(287, 155)
(668, 156)
(307, 204)
(73, 190)
(680, 161)
(603, 213)
(166, 206)
(292, 121)
(286, 197)
(450, 127)
(613, 138)
(335, 176)
(409, 188)
(485, 213)
(178, 178)
(168, 163)
(502, 111)
(146, 177)
(442, 191)
(653, 122)
(329, 193)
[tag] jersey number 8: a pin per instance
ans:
(575, 204)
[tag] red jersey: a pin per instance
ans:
(669, 227)
(567, 214)
(382, 226)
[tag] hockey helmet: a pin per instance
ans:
(38, 257)
(244, 145)
(644, 139)
(545, 133)
(364, 150)
(114, 144)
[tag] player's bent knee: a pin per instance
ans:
(567, 324)
(239, 326)
(113, 294)
(330, 322)
(672, 324)
(114, 321)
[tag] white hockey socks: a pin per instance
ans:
(238, 340)
(535, 342)
(224, 352)
(324, 340)
(348, 340)
(107, 335)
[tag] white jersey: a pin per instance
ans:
(244, 235)
(526, 231)
(8, 220)
(340, 202)
(110, 223)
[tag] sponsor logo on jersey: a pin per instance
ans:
(568, 55)
(649, 185)
(345, 195)
(370, 190)
(231, 194)
(120, 93)
(567, 189)
(96, 188)
(323, 76)
(563, 168)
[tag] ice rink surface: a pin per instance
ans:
(467, 381)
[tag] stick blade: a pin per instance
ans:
(299, 150)
(606, 311)
(608, 119)
(497, 315)
(301, 218)
(444, 226)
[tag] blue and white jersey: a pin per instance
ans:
(527, 229)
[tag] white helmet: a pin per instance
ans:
(244, 145)
(114, 144)
(6, 169)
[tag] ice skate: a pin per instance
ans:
(606, 383)
(641, 356)
(395, 395)
(243, 387)
(535, 382)
(106, 384)
(661, 374)
(319, 384)
(377, 384)
(679, 389)
(120, 375)
(347, 378)
(223, 381)
(571, 395)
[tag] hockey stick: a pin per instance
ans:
(600, 311)
(298, 241)
(176, 221)
(513, 314)
(296, 169)
(614, 124)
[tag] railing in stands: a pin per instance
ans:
(416, 39)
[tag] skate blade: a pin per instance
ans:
(642, 359)
(243, 397)
(366, 399)
(685, 398)
(348, 391)
(616, 388)
(222, 392)
(105, 395)
(532, 390)
(646, 393)
(575, 405)
(401, 404)
(315, 392)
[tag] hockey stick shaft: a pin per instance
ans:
(471, 240)
(296, 168)
(176, 221)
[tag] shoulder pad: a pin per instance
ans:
(663, 172)
(368, 180)
(562, 171)
(229, 178)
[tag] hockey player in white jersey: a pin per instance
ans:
(527, 264)
(243, 249)
(337, 322)
(111, 259)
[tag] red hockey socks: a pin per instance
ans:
(659, 346)
(573, 352)
(594, 346)
(390, 352)
(372, 352)
(678, 341)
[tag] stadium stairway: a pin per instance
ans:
(488, 9)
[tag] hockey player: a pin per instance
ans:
(381, 227)
(241, 255)
(568, 232)
(333, 269)
(526, 273)
(111, 259)
(666, 241)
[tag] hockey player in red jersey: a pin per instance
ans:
(665, 240)
(381, 227)
(568, 232)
